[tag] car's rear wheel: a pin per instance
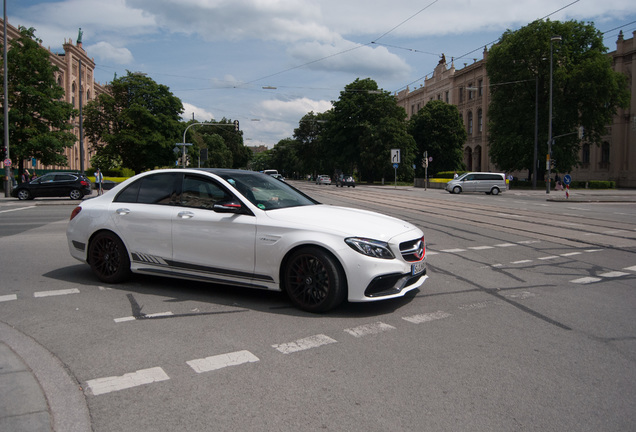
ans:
(76, 194)
(24, 194)
(457, 190)
(314, 280)
(108, 258)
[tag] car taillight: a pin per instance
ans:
(75, 212)
(84, 183)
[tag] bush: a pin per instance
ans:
(448, 174)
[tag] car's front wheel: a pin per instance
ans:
(76, 194)
(457, 190)
(108, 258)
(24, 194)
(314, 280)
(495, 191)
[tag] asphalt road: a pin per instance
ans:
(525, 324)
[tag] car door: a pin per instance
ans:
(44, 186)
(142, 214)
(63, 184)
(212, 246)
(469, 183)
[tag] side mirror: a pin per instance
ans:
(228, 207)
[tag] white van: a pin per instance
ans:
(490, 183)
(270, 171)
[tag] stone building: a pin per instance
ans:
(74, 67)
(467, 88)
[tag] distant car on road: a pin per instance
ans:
(490, 183)
(323, 179)
(55, 184)
(345, 180)
(247, 229)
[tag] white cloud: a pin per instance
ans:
(107, 53)
(200, 114)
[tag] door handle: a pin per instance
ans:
(185, 215)
(122, 211)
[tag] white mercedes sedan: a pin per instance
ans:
(246, 228)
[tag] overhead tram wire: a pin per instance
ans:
(342, 52)
(490, 43)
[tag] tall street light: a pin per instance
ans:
(549, 155)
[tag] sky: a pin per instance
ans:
(267, 63)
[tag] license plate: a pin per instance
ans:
(418, 267)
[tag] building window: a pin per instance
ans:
(480, 121)
(480, 88)
(461, 94)
(470, 91)
(73, 95)
(605, 155)
(412, 109)
(470, 122)
(447, 101)
(585, 155)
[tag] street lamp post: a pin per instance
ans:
(549, 155)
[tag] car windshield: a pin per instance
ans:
(266, 192)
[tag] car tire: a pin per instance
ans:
(24, 194)
(495, 191)
(457, 190)
(108, 258)
(76, 194)
(314, 280)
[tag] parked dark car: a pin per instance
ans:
(56, 184)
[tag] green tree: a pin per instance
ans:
(310, 144)
(362, 128)
(137, 120)
(284, 157)
(438, 129)
(225, 150)
(586, 92)
(39, 124)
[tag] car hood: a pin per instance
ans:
(347, 221)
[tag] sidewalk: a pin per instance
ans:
(38, 394)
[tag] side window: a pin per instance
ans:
(46, 178)
(469, 177)
(152, 189)
(200, 192)
(64, 177)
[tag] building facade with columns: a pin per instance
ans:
(75, 67)
(467, 88)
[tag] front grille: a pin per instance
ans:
(413, 250)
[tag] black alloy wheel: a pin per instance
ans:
(314, 280)
(108, 258)
(76, 194)
(24, 194)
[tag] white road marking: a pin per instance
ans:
(570, 254)
(421, 318)
(16, 209)
(8, 297)
(56, 292)
(481, 247)
(453, 250)
(304, 344)
(548, 257)
(593, 250)
(521, 261)
(428, 252)
(522, 295)
(505, 244)
(479, 305)
(369, 329)
(586, 280)
(222, 361)
(633, 268)
(529, 241)
(110, 384)
(613, 274)
(154, 315)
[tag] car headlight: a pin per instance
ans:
(372, 248)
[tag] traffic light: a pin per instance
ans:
(236, 125)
